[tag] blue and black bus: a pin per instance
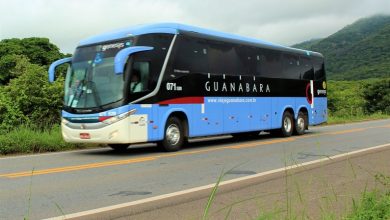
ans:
(166, 83)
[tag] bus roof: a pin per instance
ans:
(175, 28)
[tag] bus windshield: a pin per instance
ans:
(90, 80)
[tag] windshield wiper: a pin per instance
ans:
(95, 93)
(79, 90)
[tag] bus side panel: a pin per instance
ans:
(140, 127)
(153, 125)
(279, 105)
(261, 112)
(320, 111)
(236, 117)
(207, 118)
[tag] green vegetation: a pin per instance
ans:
(358, 100)
(29, 106)
(28, 140)
(358, 51)
(373, 205)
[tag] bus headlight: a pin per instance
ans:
(117, 118)
(64, 121)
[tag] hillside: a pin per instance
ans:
(358, 51)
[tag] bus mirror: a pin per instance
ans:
(53, 66)
(121, 57)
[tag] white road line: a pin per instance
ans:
(210, 186)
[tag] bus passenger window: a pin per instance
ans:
(306, 68)
(319, 69)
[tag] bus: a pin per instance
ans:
(165, 83)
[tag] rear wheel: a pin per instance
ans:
(173, 136)
(119, 147)
(300, 124)
(287, 125)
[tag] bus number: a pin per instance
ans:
(173, 87)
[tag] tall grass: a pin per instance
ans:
(30, 140)
(374, 204)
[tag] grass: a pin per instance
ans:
(373, 205)
(28, 140)
(341, 119)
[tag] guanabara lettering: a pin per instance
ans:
(233, 87)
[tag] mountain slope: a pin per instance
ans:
(358, 51)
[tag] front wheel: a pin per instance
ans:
(173, 136)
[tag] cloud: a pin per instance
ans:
(66, 22)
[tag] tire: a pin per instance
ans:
(300, 124)
(287, 124)
(173, 135)
(119, 147)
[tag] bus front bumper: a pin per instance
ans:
(132, 129)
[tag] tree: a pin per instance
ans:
(377, 95)
(38, 50)
(33, 95)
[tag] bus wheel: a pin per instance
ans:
(300, 124)
(287, 124)
(173, 136)
(119, 147)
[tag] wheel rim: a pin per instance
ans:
(287, 124)
(301, 124)
(173, 134)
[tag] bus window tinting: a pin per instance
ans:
(271, 61)
(156, 57)
(190, 56)
(224, 58)
(291, 66)
(319, 69)
(306, 68)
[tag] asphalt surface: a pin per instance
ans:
(70, 182)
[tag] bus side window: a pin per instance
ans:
(319, 68)
(306, 68)
(190, 56)
(247, 59)
(291, 67)
(139, 80)
(223, 58)
(272, 67)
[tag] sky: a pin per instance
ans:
(286, 22)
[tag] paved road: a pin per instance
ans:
(81, 180)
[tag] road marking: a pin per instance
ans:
(263, 143)
(128, 205)
(347, 131)
(77, 167)
(144, 159)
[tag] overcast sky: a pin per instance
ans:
(65, 22)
